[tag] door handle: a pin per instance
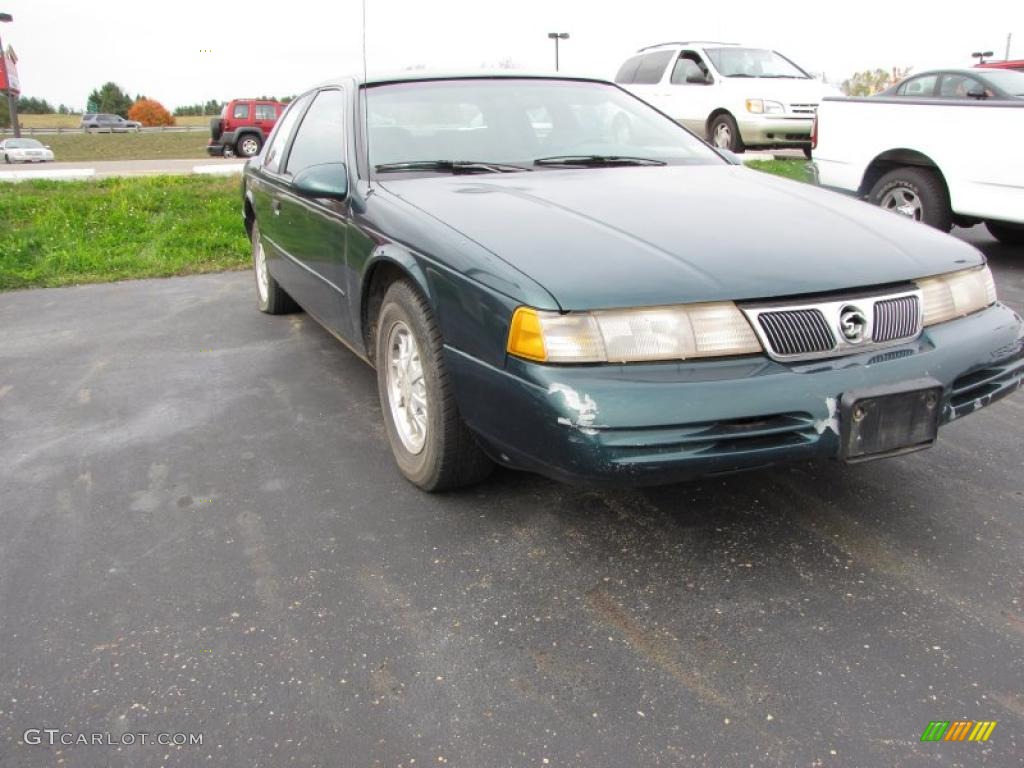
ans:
(276, 207)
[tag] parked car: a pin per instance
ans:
(102, 123)
(959, 84)
(608, 309)
(25, 151)
(915, 152)
(243, 127)
(1015, 64)
(735, 96)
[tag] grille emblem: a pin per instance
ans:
(853, 324)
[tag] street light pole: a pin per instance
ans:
(556, 36)
(12, 100)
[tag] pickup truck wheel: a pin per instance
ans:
(1010, 234)
(249, 145)
(725, 134)
(270, 296)
(432, 446)
(917, 193)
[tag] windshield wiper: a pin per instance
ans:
(596, 161)
(450, 166)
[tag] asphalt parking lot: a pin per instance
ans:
(201, 531)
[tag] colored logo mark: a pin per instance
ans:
(958, 730)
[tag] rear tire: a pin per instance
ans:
(270, 296)
(917, 193)
(432, 446)
(725, 134)
(249, 145)
(1004, 232)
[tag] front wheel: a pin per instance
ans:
(917, 193)
(725, 134)
(1004, 232)
(432, 446)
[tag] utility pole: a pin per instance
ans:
(12, 100)
(556, 36)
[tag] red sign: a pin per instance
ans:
(9, 72)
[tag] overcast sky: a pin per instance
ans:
(67, 48)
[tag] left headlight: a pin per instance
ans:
(631, 335)
(763, 106)
(956, 294)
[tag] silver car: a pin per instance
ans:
(102, 123)
(24, 151)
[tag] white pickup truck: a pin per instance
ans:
(942, 162)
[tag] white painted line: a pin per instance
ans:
(221, 168)
(59, 174)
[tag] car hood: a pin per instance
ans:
(644, 236)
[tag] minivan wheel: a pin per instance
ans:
(248, 146)
(432, 446)
(1010, 234)
(725, 134)
(916, 193)
(270, 297)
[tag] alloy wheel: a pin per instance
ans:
(904, 201)
(406, 388)
(262, 277)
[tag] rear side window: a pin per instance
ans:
(321, 136)
(265, 112)
(652, 67)
(274, 152)
(628, 70)
(241, 112)
(918, 87)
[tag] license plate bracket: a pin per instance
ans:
(890, 421)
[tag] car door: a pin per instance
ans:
(264, 117)
(312, 232)
(691, 89)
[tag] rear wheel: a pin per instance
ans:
(249, 145)
(725, 134)
(916, 193)
(432, 446)
(270, 297)
(1004, 232)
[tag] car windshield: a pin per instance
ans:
(518, 121)
(1006, 80)
(23, 144)
(753, 62)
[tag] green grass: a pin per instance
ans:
(74, 147)
(62, 233)
(73, 121)
(791, 169)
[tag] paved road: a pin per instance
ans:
(202, 532)
(83, 170)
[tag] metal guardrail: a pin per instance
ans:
(26, 131)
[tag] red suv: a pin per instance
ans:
(243, 127)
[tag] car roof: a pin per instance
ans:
(427, 75)
(684, 42)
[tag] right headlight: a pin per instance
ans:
(956, 294)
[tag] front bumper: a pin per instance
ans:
(762, 130)
(646, 424)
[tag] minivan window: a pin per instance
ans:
(279, 138)
(321, 135)
(652, 67)
(628, 70)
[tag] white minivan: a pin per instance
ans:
(735, 96)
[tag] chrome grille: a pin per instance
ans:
(797, 331)
(896, 319)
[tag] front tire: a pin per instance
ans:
(270, 296)
(432, 446)
(917, 193)
(1008, 234)
(725, 134)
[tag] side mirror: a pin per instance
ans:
(328, 180)
(977, 92)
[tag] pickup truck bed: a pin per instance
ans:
(938, 160)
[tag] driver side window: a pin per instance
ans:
(689, 70)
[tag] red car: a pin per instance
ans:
(1017, 64)
(243, 127)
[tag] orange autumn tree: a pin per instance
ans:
(150, 112)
